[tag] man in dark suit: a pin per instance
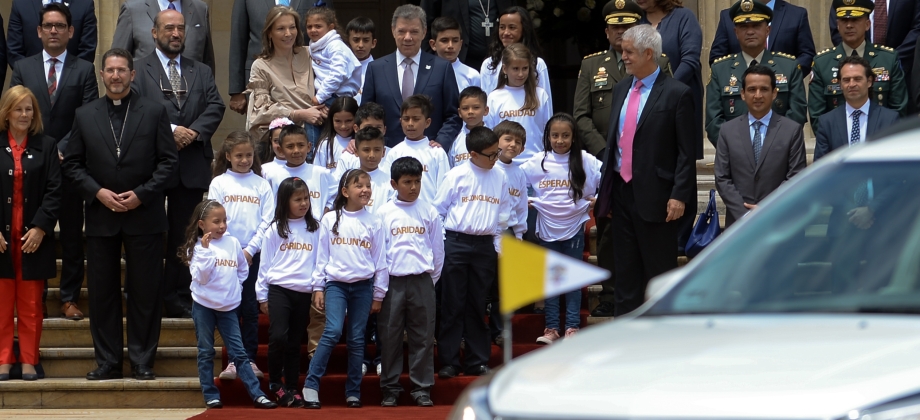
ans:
(860, 118)
(3, 51)
(649, 174)
(121, 158)
(898, 28)
(74, 86)
(478, 20)
(246, 23)
(187, 90)
(387, 85)
(26, 15)
(135, 21)
(790, 33)
(755, 155)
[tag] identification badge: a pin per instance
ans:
(833, 89)
(732, 90)
(780, 78)
(600, 82)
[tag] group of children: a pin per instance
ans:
(318, 231)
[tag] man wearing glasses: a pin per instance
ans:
(26, 15)
(187, 89)
(62, 82)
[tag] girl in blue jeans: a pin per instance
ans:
(218, 267)
(351, 276)
(565, 179)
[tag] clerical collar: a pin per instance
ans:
(119, 102)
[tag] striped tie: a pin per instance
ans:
(52, 77)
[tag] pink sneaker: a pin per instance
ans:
(229, 373)
(549, 336)
(570, 332)
(256, 371)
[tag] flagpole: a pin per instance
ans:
(506, 336)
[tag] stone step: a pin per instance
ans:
(76, 362)
(56, 281)
(78, 393)
(64, 333)
(54, 302)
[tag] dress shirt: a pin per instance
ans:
(747, 58)
(164, 61)
(58, 67)
(771, 4)
(763, 129)
(644, 92)
(400, 67)
(164, 4)
(861, 50)
(863, 121)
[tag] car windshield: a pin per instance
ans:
(846, 239)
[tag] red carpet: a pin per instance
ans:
(339, 413)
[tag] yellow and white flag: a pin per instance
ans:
(528, 273)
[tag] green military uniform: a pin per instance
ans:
(723, 93)
(594, 93)
(888, 90)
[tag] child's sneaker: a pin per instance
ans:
(298, 400)
(256, 371)
(284, 398)
(229, 373)
(363, 369)
(549, 336)
(570, 332)
(379, 369)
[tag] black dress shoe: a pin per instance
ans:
(478, 371)
(29, 376)
(603, 310)
(353, 404)
(389, 400)
(424, 401)
(104, 372)
(263, 402)
(448, 372)
(4, 377)
(312, 405)
(144, 373)
(176, 309)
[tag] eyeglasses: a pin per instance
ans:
(167, 89)
(59, 26)
(491, 156)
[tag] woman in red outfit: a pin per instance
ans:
(30, 195)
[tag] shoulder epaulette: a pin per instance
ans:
(883, 47)
(823, 52)
(664, 55)
(782, 54)
(595, 54)
(724, 58)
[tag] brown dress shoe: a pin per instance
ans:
(71, 311)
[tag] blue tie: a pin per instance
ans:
(854, 135)
(758, 141)
(171, 5)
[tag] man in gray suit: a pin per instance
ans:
(135, 22)
(755, 155)
(860, 118)
(246, 23)
(188, 91)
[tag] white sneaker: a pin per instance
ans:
(256, 371)
(229, 373)
(363, 369)
(379, 369)
(549, 336)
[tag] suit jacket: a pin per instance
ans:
(790, 33)
(435, 79)
(76, 87)
(832, 127)
(903, 30)
(201, 109)
(460, 11)
(41, 191)
(3, 51)
(664, 165)
(246, 23)
(25, 18)
(739, 179)
(135, 20)
(148, 158)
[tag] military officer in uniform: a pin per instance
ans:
(889, 88)
(600, 71)
(723, 93)
(593, 95)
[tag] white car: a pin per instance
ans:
(808, 308)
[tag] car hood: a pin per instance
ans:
(731, 366)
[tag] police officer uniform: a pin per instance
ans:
(723, 93)
(889, 88)
(599, 73)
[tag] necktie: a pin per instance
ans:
(854, 134)
(171, 5)
(284, 2)
(52, 77)
(629, 132)
(854, 54)
(408, 85)
(621, 67)
(753, 63)
(880, 22)
(758, 141)
(174, 79)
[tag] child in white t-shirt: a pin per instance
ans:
(473, 111)
(415, 118)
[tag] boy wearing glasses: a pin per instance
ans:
(475, 204)
(415, 118)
